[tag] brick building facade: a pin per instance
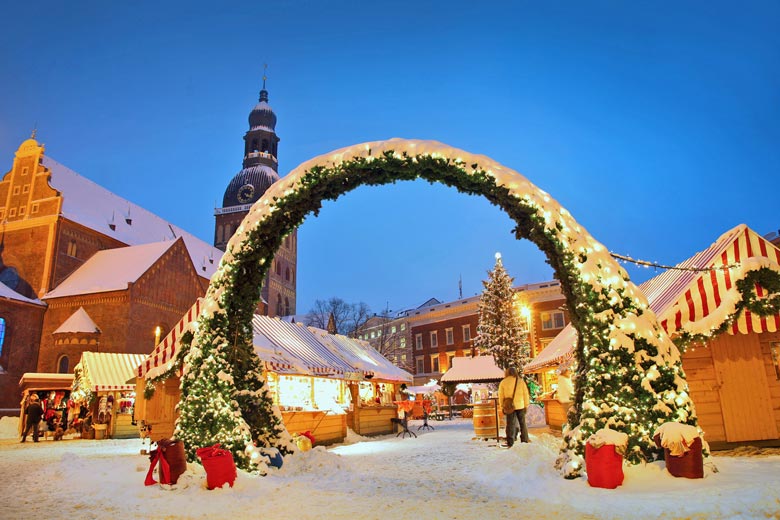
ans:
(54, 222)
(442, 331)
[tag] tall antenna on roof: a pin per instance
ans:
(265, 77)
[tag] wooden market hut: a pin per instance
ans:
(376, 387)
(103, 382)
(43, 385)
(734, 377)
(312, 375)
(488, 419)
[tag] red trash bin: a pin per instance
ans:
(604, 466)
(219, 465)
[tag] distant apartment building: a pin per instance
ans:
(438, 332)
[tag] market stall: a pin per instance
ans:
(559, 353)
(53, 390)
(373, 389)
(101, 385)
(487, 417)
(733, 377)
(310, 374)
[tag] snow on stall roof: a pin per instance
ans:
(109, 370)
(95, 207)
(10, 294)
(362, 356)
(480, 369)
(79, 321)
(110, 270)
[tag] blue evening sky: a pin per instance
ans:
(656, 123)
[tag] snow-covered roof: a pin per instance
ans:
(694, 301)
(287, 348)
(361, 355)
(46, 380)
(79, 321)
(97, 208)
(9, 294)
(110, 270)
(102, 371)
(480, 369)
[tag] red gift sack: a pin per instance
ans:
(604, 466)
(219, 466)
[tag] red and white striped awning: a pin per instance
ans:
(698, 302)
(298, 346)
(105, 371)
(694, 301)
(164, 353)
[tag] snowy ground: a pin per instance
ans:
(441, 474)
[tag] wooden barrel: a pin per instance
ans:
(485, 420)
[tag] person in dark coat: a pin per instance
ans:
(34, 412)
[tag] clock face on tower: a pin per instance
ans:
(245, 193)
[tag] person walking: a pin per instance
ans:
(34, 412)
(514, 387)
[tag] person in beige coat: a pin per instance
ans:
(522, 399)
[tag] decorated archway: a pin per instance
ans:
(629, 372)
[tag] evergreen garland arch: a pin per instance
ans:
(629, 374)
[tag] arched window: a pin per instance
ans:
(287, 274)
(278, 304)
(63, 364)
(254, 145)
(279, 268)
(220, 230)
(228, 234)
(286, 307)
(2, 335)
(265, 145)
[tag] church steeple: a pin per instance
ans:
(258, 173)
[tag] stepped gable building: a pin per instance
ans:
(258, 173)
(53, 222)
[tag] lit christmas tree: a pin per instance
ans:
(500, 331)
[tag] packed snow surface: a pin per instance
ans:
(441, 474)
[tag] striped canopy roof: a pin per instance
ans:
(106, 371)
(287, 348)
(695, 301)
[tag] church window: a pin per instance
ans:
(287, 241)
(22, 210)
(16, 190)
(254, 145)
(63, 364)
(278, 304)
(26, 188)
(265, 145)
(227, 232)
(287, 274)
(12, 212)
(279, 268)
(220, 229)
(72, 248)
(2, 335)
(25, 170)
(286, 306)
(34, 208)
